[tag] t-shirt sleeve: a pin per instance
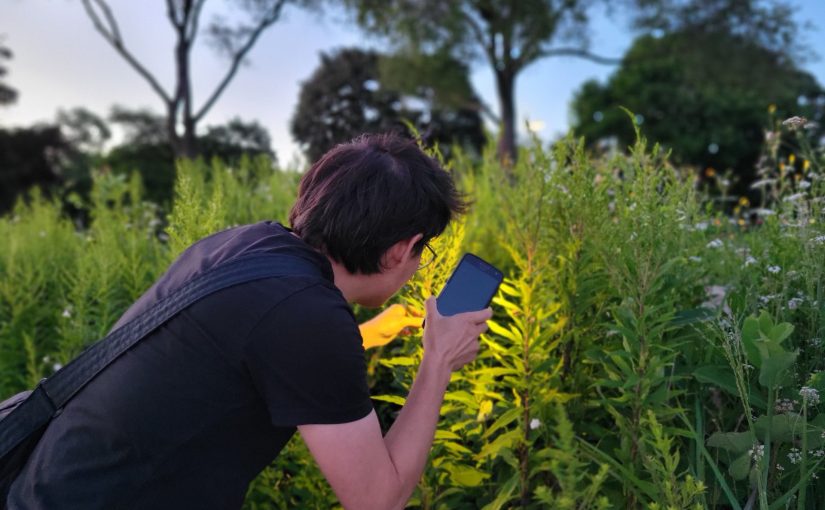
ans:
(306, 359)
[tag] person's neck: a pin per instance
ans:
(352, 286)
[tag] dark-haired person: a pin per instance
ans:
(188, 417)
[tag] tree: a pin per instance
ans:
(83, 129)
(509, 34)
(348, 95)
(7, 94)
(710, 111)
(234, 41)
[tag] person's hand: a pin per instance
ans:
(453, 340)
(384, 327)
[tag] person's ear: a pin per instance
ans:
(401, 251)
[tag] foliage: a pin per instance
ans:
(647, 350)
(7, 94)
(508, 34)
(709, 111)
(348, 95)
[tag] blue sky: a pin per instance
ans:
(61, 62)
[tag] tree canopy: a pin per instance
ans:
(7, 94)
(705, 95)
(348, 94)
(508, 34)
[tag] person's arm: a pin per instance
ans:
(368, 471)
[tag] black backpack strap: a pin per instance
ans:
(53, 393)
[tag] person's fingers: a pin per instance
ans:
(430, 307)
(479, 316)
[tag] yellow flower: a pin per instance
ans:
(782, 167)
(744, 202)
(771, 108)
(792, 159)
(709, 172)
(797, 177)
(736, 210)
(741, 222)
(806, 164)
(812, 221)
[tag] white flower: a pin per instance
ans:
(57, 366)
(694, 258)
(763, 212)
(811, 395)
(535, 423)
(716, 243)
(757, 452)
(785, 405)
(701, 226)
(795, 455)
(749, 261)
(815, 342)
(818, 240)
(794, 197)
(794, 122)
(794, 303)
(804, 184)
(67, 312)
(762, 183)
(774, 269)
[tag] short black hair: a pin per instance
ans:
(362, 197)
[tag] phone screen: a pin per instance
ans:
(470, 288)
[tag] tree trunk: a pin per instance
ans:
(505, 86)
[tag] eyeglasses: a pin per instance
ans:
(428, 255)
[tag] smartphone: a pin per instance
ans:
(470, 288)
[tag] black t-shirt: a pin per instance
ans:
(189, 416)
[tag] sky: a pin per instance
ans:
(61, 62)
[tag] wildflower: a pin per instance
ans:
(795, 456)
(774, 269)
(785, 405)
(819, 239)
(716, 243)
(792, 158)
(701, 226)
(794, 303)
(794, 197)
(694, 258)
(780, 468)
(710, 172)
(535, 423)
(757, 452)
(761, 183)
(810, 395)
(67, 312)
(804, 184)
(817, 453)
(749, 261)
(794, 122)
(806, 164)
(763, 212)
(767, 298)
(57, 366)
(815, 342)
(744, 202)
(771, 108)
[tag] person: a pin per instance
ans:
(190, 415)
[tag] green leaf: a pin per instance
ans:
(466, 476)
(404, 361)
(723, 378)
(505, 440)
(734, 442)
(502, 421)
(775, 368)
(393, 399)
(783, 427)
(741, 467)
(750, 337)
(780, 332)
(505, 494)
(501, 331)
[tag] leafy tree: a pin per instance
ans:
(146, 149)
(710, 111)
(508, 34)
(232, 40)
(29, 157)
(348, 95)
(83, 129)
(7, 94)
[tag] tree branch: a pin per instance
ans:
(238, 57)
(478, 32)
(580, 53)
(112, 36)
(193, 27)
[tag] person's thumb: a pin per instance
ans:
(430, 305)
